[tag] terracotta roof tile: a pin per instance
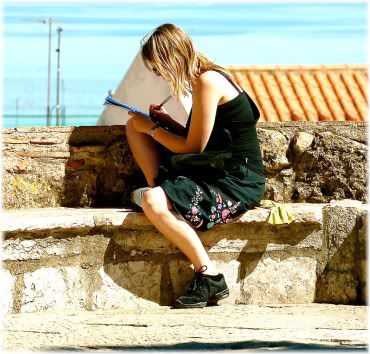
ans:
(286, 88)
(345, 99)
(303, 96)
(355, 94)
(331, 98)
(276, 96)
(361, 80)
(312, 93)
(263, 97)
(317, 96)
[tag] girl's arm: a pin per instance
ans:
(206, 96)
(163, 119)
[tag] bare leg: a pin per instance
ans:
(145, 151)
(156, 205)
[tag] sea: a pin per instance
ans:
(99, 40)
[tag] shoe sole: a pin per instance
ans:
(180, 305)
(213, 301)
(219, 296)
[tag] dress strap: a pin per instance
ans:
(227, 77)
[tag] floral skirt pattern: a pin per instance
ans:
(207, 203)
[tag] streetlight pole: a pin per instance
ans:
(48, 113)
(59, 30)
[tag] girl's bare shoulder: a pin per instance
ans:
(210, 80)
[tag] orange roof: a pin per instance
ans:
(306, 93)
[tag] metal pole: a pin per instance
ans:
(59, 30)
(48, 113)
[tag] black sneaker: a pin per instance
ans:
(204, 290)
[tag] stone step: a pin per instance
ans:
(82, 258)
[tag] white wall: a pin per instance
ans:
(140, 88)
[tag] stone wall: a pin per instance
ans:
(67, 258)
(93, 166)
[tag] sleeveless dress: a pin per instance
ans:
(207, 201)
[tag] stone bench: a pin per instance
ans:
(82, 258)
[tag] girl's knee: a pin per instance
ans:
(156, 200)
(129, 125)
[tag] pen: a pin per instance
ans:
(164, 101)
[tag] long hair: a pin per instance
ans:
(169, 52)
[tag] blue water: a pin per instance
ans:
(100, 40)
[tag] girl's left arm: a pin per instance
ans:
(206, 96)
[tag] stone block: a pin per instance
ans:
(7, 287)
(21, 250)
(181, 275)
(275, 280)
(143, 241)
(53, 289)
(32, 190)
(339, 224)
(80, 188)
(361, 256)
(231, 271)
(302, 141)
(274, 147)
(279, 186)
(127, 284)
(113, 294)
(336, 288)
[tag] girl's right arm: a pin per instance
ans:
(165, 120)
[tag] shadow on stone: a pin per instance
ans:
(100, 171)
(252, 344)
(146, 265)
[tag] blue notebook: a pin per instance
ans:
(109, 100)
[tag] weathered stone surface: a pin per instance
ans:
(32, 191)
(280, 186)
(39, 219)
(289, 280)
(299, 169)
(337, 288)
(138, 242)
(141, 279)
(332, 168)
(51, 289)
(89, 249)
(362, 257)
(302, 141)
(181, 275)
(274, 148)
(80, 188)
(231, 271)
(339, 282)
(114, 291)
(243, 328)
(271, 263)
(7, 287)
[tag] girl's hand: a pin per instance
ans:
(158, 115)
(141, 124)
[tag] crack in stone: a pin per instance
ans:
(118, 324)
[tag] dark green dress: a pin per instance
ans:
(210, 200)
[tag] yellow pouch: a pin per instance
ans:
(279, 214)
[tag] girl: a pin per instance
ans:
(223, 118)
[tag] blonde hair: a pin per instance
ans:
(169, 51)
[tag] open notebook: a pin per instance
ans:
(109, 100)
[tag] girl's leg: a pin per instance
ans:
(145, 151)
(156, 207)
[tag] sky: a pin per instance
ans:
(100, 40)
